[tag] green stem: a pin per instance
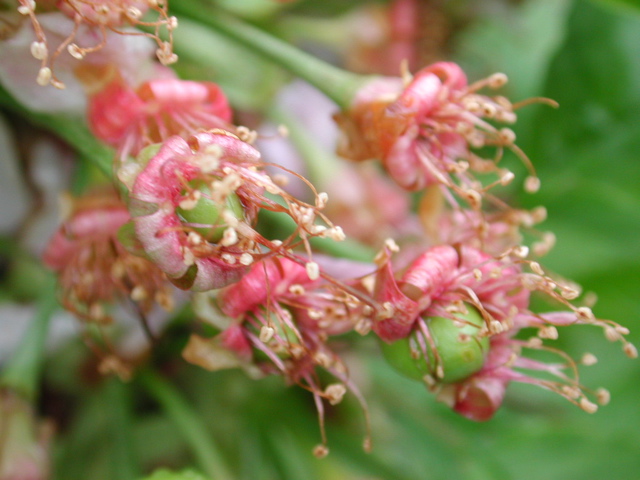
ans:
(190, 426)
(73, 130)
(124, 464)
(339, 85)
(23, 370)
(322, 166)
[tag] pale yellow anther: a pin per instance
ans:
(39, 50)
(27, 7)
(188, 258)
(603, 396)
(497, 80)
(507, 178)
(532, 184)
(246, 259)
(534, 342)
(363, 326)
(320, 451)
(58, 84)
(611, 334)
(190, 202)
(230, 218)
(335, 233)
(630, 350)
(266, 333)
(75, 51)
(335, 392)
(229, 237)
(322, 199)
(44, 76)
(507, 135)
(195, 238)
(313, 270)
(296, 289)
(549, 332)
(228, 258)
(318, 229)
(391, 244)
(585, 313)
(138, 293)
(588, 406)
(589, 359)
(134, 13)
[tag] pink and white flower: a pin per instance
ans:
(425, 129)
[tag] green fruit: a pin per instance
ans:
(459, 357)
(208, 212)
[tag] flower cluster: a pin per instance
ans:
(199, 208)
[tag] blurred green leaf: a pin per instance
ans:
(168, 475)
(634, 4)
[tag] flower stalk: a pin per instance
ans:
(22, 373)
(190, 426)
(339, 85)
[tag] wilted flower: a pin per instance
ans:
(425, 129)
(194, 203)
(131, 119)
(277, 319)
(94, 268)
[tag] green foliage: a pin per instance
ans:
(163, 474)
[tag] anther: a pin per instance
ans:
(532, 184)
(630, 350)
(320, 451)
(75, 51)
(497, 80)
(589, 359)
(138, 293)
(313, 270)
(335, 392)
(588, 406)
(391, 244)
(44, 76)
(603, 396)
(229, 237)
(266, 333)
(321, 199)
(246, 259)
(39, 50)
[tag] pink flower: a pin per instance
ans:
(432, 301)
(194, 203)
(285, 318)
(94, 268)
(425, 129)
(131, 119)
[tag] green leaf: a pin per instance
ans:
(164, 474)
(626, 4)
